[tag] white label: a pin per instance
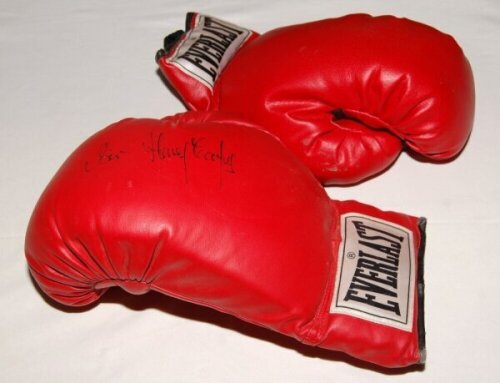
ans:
(375, 277)
(208, 47)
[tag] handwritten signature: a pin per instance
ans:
(193, 149)
(105, 155)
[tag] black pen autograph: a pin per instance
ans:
(195, 149)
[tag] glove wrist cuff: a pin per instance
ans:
(193, 60)
(376, 287)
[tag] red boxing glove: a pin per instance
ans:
(190, 206)
(346, 95)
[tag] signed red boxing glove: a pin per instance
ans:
(217, 212)
(346, 95)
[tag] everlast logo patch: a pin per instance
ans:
(376, 270)
(208, 47)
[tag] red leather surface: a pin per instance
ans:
(346, 95)
(209, 210)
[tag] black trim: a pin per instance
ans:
(420, 289)
(189, 18)
(168, 43)
(172, 39)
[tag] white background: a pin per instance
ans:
(69, 68)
